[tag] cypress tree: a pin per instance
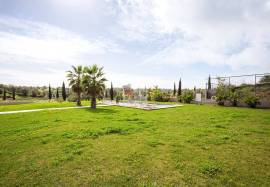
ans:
(13, 93)
(209, 83)
(4, 95)
(64, 94)
(111, 91)
(50, 93)
(174, 90)
(179, 88)
(209, 88)
(57, 94)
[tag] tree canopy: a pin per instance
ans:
(94, 83)
(75, 76)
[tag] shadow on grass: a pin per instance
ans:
(101, 110)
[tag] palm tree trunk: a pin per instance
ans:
(79, 99)
(93, 102)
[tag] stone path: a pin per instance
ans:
(42, 109)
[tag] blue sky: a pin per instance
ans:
(141, 42)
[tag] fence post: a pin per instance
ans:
(255, 84)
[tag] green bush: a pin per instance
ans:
(252, 100)
(187, 96)
(234, 97)
(222, 92)
(72, 98)
(156, 94)
(179, 98)
(165, 97)
(118, 98)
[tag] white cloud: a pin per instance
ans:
(47, 43)
(36, 53)
(74, 3)
(210, 28)
(165, 34)
(37, 78)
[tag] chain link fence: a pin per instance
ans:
(256, 84)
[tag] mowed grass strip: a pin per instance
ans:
(40, 105)
(116, 146)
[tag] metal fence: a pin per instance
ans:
(259, 84)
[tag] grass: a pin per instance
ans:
(115, 146)
(38, 105)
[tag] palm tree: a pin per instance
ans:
(75, 81)
(93, 82)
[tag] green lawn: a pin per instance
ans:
(39, 105)
(116, 146)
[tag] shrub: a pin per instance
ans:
(187, 96)
(149, 97)
(179, 98)
(165, 97)
(234, 97)
(118, 98)
(156, 94)
(252, 100)
(222, 93)
(72, 98)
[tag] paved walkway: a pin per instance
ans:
(42, 109)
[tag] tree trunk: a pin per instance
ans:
(93, 102)
(79, 99)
